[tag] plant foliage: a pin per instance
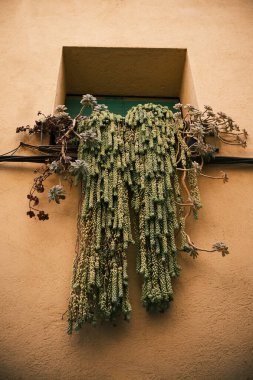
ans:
(148, 161)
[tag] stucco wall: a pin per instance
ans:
(207, 333)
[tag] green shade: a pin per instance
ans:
(116, 104)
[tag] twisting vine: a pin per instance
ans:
(151, 160)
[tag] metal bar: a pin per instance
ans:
(230, 160)
(36, 159)
(41, 159)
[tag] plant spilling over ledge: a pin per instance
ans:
(149, 160)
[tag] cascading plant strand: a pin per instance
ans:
(156, 187)
(100, 285)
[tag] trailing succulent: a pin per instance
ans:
(149, 162)
(100, 279)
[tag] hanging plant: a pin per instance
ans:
(151, 160)
(100, 279)
(157, 199)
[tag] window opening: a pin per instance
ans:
(117, 104)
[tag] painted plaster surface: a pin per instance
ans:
(208, 331)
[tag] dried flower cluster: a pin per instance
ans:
(200, 124)
(56, 124)
(65, 130)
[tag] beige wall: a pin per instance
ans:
(208, 331)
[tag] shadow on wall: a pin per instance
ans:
(146, 72)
